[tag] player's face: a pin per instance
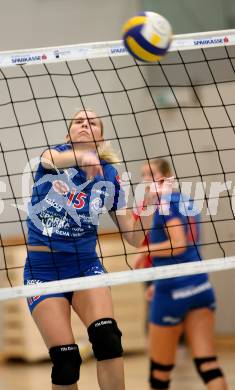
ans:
(86, 127)
(150, 173)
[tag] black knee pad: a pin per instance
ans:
(157, 383)
(66, 361)
(210, 374)
(105, 338)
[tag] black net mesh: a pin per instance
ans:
(182, 109)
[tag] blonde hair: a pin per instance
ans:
(105, 150)
(163, 166)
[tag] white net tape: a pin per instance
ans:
(112, 48)
(117, 278)
(188, 98)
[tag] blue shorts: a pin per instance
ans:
(43, 267)
(170, 307)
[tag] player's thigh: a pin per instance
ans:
(199, 329)
(163, 341)
(52, 317)
(93, 304)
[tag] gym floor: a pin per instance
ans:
(25, 376)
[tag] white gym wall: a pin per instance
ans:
(39, 23)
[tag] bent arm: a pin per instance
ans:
(175, 245)
(88, 161)
(52, 159)
(134, 231)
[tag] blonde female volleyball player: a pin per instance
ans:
(74, 182)
(178, 304)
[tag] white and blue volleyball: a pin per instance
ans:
(147, 36)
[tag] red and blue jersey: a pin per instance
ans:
(178, 206)
(65, 206)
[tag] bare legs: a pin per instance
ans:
(199, 328)
(52, 317)
(87, 304)
(163, 342)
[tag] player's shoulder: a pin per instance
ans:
(60, 148)
(184, 206)
(110, 172)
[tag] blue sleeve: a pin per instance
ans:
(168, 212)
(59, 148)
(62, 147)
(169, 207)
(119, 196)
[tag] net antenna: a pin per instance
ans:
(182, 109)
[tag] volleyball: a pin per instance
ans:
(147, 36)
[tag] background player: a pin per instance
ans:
(183, 303)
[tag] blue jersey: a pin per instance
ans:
(180, 207)
(65, 206)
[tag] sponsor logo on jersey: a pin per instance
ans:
(60, 187)
(53, 203)
(72, 201)
(96, 204)
(101, 192)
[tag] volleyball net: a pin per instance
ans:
(181, 109)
